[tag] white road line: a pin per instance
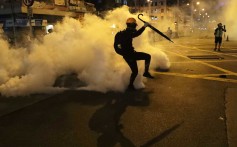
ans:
(203, 76)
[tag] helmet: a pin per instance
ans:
(131, 23)
(131, 20)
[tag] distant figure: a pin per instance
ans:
(176, 27)
(123, 46)
(218, 36)
(169, 32)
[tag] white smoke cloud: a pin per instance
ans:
(85, 48)
(230, 20)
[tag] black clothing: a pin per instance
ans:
(132, 62)
(218, 40)
(132, 25)
(218, 34)
(123, 41)
(123, 46)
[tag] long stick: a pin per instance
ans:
(154, 29)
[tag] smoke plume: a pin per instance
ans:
(84, 48)
(231, 22)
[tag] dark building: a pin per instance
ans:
(15, 16)
(104, 5)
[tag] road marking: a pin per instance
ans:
(204, 63)
(219, 53)
(203, 76)
(192, 61)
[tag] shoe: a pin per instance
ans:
(148, 75)
(131, 87)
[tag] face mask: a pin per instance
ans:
(132, 25)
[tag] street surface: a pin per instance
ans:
(191, 105)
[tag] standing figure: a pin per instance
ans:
(218, 36)
(123, 46)
(169, 32)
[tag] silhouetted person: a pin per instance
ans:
(169, 32)
(218, 36)
(106, 121)
(123, 46)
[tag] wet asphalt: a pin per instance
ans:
(191, 105)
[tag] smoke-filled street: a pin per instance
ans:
(77, 73)
(189, 104)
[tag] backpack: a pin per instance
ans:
(117, 42)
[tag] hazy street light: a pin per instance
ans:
(192, 9)
(149, 7)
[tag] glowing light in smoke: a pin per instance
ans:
(113, 26)
(48, 27)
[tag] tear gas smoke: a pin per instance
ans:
(85, 48)
(220, 12)
(230, 20)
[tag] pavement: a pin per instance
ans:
(231, 116)
(184, 111)
(11, 104)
